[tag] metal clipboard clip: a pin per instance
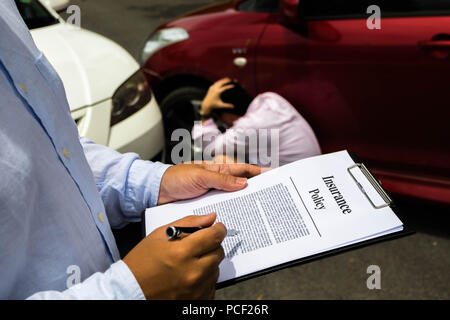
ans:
(374, 182)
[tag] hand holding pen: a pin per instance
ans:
(174, 232)
(184, 269)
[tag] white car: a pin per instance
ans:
(109, 97)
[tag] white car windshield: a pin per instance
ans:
(35, 14)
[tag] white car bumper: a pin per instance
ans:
(142, 132)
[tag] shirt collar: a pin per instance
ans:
(15, 38)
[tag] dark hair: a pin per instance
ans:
(238, 97)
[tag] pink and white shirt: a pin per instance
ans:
(268, 111)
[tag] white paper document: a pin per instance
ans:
(295, 211)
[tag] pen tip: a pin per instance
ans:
(232, 233)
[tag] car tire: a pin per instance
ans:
(180, 109)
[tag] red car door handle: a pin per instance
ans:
(435, 45)
(438, 49)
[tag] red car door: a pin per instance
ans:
(379, 92)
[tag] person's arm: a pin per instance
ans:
(160, 269)
(126, 184)
(213, 99)
(214, 144)
(207, 129)
(116, 283)
(232, 142)
(157, 268)
(205, 132)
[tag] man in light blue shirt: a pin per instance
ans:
(60, 195)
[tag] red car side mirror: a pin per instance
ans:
(289, 12)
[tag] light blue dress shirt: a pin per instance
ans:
(59, 194)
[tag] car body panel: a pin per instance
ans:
(188, 57)
(375, 92)
(142, 133)
(91, 66)
(380, 95)
(98, 114)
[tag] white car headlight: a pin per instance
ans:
(132, 96)
(161, 39)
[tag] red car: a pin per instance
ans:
(382, 93)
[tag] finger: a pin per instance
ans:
(265, 169)
(223, 81)
(189, 221)
(225, 88)
(205, 240)
(210, 281)
(212, 295)
(234, 169)
(224, 105)
(212, 259)
(226, 182)
(194, 221)
(241, 170)
(222, 158)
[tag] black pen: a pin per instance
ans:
(173, 232)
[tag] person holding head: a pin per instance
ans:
(233, 120)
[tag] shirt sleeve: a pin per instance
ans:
(232, 142)
(126, 184)
(207, 128)
(116, 283)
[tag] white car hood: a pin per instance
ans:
(91, 67)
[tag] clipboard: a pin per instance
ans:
(387, 202)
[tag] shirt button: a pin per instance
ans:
(23, 87)
(66, 153)
(101, 218)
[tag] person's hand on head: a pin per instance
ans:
(186, 268)
(213, 98)
(187, 181)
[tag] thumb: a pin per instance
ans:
(195, 221)
(188, 221)
(223, 182)
(224, 105)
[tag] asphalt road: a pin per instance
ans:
(414, 267)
